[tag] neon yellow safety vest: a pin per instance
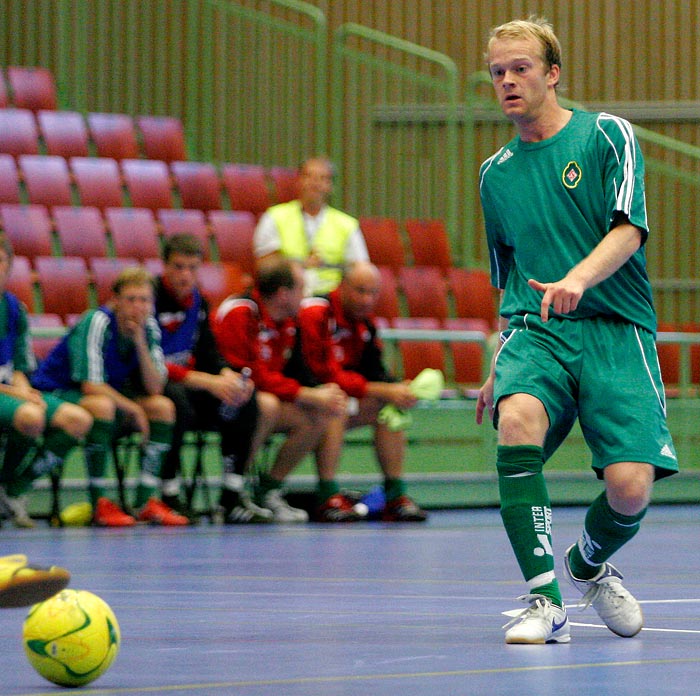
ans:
(329, 243)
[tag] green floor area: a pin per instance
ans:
(450, 461)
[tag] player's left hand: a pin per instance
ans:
(563, 296)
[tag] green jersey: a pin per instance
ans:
(548, 204)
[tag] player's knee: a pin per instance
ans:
(74, 420)
(269, 407)
(628, 486)
(29, 419)
(100, 407)
(159, 408)
(522, 419)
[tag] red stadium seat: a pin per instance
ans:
(64, 132)
(104, 272)
(286, 181)
(19, 134)
(163, 138)
(114, 135)
(383, 242)
(425, 290)
(233, 235)
(28, 228)
(81, 231)
(417, 355)
(388, 306)
(98, 181)
(473, 294)
(468, 359)
(32, 88)
(43, 345)
(193, 222)
(47, 179)
(148, 183)
(134, 232)
(219, 280)
(21, 281)
(198, 184)
(430, 245)
(246, 186)
(9, 180)
(4, 94)
(64, 283)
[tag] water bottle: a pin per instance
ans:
(227, 412)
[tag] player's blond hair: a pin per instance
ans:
(132, 275)
(537, 28)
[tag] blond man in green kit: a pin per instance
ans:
(566, 225)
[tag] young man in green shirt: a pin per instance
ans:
(39, 429)
(566, 225)
(111, 363)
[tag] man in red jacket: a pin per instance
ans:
(260, 332)
(340, 346)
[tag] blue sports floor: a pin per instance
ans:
(362, 609)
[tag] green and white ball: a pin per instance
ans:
(72, 638)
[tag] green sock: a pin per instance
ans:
(326, 489)
(57, 444)
(97, 447)
(266, 484)
(604, 532)
(152, 458)
(394, 488)
(19, 452)
(527, 516)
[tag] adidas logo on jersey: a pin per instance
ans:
(505, 156)
(666, 451)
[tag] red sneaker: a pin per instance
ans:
(403, 509)
(337, 508)
(157, 512)
(109, 514)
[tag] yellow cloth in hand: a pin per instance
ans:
(427, 385)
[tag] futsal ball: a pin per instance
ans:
(71, 638)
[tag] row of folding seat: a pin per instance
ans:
(103, 182)
(86, 231)
(70, 134)
(68, 285)
(28, 88)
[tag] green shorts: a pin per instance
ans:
(10, 404)
(601, 370)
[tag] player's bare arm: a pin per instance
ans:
(611, 253)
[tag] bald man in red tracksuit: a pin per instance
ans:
(340, 345)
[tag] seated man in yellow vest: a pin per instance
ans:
(309, 230)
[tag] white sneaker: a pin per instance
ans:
(282, 511)
(615, 605)
(16, 509)
(247, 512)
(542, 622)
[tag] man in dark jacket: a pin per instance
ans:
(207, 393)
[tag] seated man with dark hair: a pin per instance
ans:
(206, 392)
(260, 332)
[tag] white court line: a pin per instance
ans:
(645, 629)
(647, 601)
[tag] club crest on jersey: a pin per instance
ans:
(571, 176)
